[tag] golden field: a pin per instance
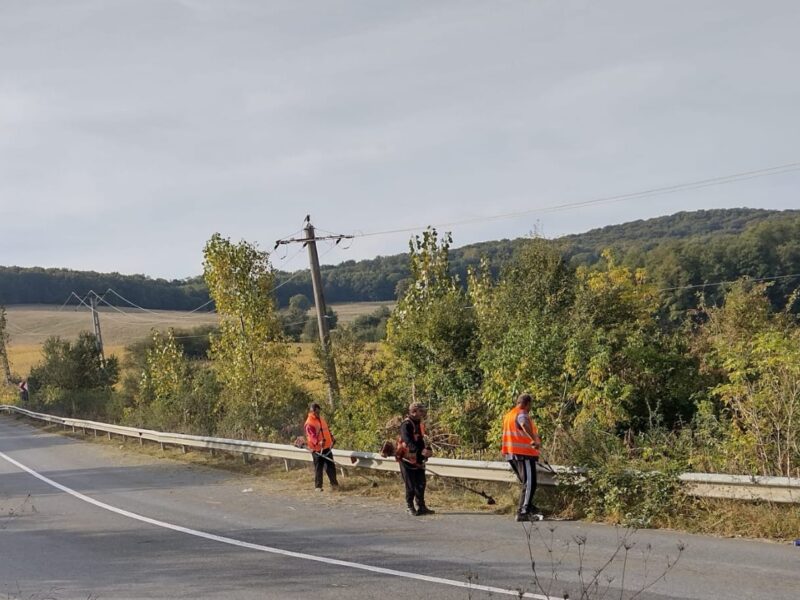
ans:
(29, 326)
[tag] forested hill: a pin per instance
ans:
(684, 249)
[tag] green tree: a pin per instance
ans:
(623, 371)
(250, 357)
(432, 335)
(523, 323)
(311, 327)
(72, 379)
(756, 351)
(300, 302)
(175, 393)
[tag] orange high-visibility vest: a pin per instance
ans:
(323, 438)
(402, 453)
(515, 440)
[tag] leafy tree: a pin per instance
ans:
(72, 379)
(311, 327)
(175, 393)
(300, 302)
(372, 327)
(622, 369)
(757, 353)
(249, 353)
(586, 344)
(366, 397)
(293, 323)
(295, 319)
(431, 333)
(523, 324)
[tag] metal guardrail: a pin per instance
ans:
(707, 485)
(784, 490)
(463, 469)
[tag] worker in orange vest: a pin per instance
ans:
(320, 442)
(520, 447)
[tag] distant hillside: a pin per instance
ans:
(684, 249)
(649, 233)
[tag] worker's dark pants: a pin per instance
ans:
(525, 468)
(325, 461)
(415, 481)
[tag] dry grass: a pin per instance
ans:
(30, 326)
(348, 312)
(736, 518)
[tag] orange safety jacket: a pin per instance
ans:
(402, 453)
(318, 435)
(515, 440)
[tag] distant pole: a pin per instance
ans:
(3, 346)
(96, 320)
(322, 318)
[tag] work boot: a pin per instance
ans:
(412, 511)
(535, 513)
(424, 510)
(522, 517)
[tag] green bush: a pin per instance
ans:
(629, 497)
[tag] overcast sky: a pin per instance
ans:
(131, 130)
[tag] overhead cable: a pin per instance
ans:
(669, 189)
(718, 283)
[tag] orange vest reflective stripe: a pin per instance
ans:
(323, 433)
(402, 452)
(515, 440)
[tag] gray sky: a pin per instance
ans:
(131, 130)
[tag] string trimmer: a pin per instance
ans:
(388, 450)
(300, 442)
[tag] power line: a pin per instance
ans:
(161, 315)
(39, 331)
(719, 283)
(670, 189)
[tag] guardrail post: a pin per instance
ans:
(95, 433)
(184, 448)
(213, 453)
(246, 458)
(162, 445)
(141, 440)
(286, 464)
(109, 435)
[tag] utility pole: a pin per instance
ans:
(3, 346)
(322, 317)
(96, 321)
(310, 240)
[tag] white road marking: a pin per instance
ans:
(270, 549)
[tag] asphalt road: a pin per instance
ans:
(93, 521)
